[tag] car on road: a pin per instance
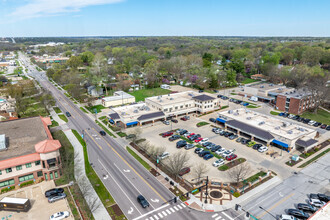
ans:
(208, 156)
(231, 157)
(174, 137)
(68, 114)
(184, 171)
(174, 120)
(198, 150)
(218, 162)
(56, 197)
(164, 155)
(102, 133)
(53, 192)
(181, 143)
(306, 207)
(167, 134)
(298, 213)
(198, 140)
(212, 120)
(144, 203)
(189, 146)
(287, 217)
(263, 149)
(316, 202)
(59, 215)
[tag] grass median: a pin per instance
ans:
(314, 158)
(104, 128)
(83, 109)
(57, 110)
(138, 158)
(63, 118)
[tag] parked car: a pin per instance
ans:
(68, 114)
(298, 213)
(301, 119)
(204, 140)
(229, 134)
(324, 126)
(215, 148)
(218, 130)
(220, 96)
(245, 141)
(220, 151)
(231, 157)
(311, 122)
(291, 116)
(183, 119)
(316, 124)
(53, 192)
(59, 215)
(256, 146)
(328, 128)
(203, 153)
(263, 149)
(56, 197)
(189, 146)
(323, 197)
(306, 207)
(130, 136)
(316, 202)
(194, 137)
(183, 132)
(239, 140)
(222, 133)
(184, 171)
(251, 143)
(208, 156)
(198, 150)
(198, 139)
(227, 153)
(296, 117)
(181, 143)
(212, 120)
(218, 162)
(191, 134)
(287, 217)
(232, 137)
(174, 137)
(102, 133)
(206, 144)
(144, 203)
(166, 122)
(167, 134)
(209, 147)
(281, 114)
(201, 91)
(286, 115)
(306, 121)
(174, 120)
(164, 155)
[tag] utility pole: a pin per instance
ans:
(268, 212)
(206, 193)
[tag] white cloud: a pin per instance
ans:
(41, 8)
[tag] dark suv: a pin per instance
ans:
(174, 137)
(68, 114)
(306, 207)
(53, 192)
(181, 143)
(144, 203)
(203, 153)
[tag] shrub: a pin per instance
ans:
(27, 183)
(236, 194)
(7, 189)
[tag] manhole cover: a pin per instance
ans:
(216, 194)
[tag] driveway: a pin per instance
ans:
(40, 209)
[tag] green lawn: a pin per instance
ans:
(274, 113)
(121, 134)
(145, 164)
(314, 158)
(63, 117)
(321, 116)
(97, 107)
(248, 80)
(140, 95)
(202, 123)
(83, 109)
(57, 110)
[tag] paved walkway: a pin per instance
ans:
(83, 182)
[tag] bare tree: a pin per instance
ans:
(200, 170)
(239, 172)
(137, 134)
(156, 151)
(177, 161)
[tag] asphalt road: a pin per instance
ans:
(124, 177)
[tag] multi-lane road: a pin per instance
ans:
(124, 177)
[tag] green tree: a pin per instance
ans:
(87, 57)
(207, 60)
(74, 62)
(231, 77)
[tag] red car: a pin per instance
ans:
(167, 134)
(231, 157)
(184, 171)
(191, 134)
(183, 119)
(198, 139)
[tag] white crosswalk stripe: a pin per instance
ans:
(164, 213)
(227, 216)
(151, 218)
(160, 215)
(179, 206)
(215, 215)
(168, 211)
(218, 218)
(172, 209)
(156, 217)
(176, 208)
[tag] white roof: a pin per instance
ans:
(13, 200)
(118, 96)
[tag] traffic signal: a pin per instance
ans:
(175, 200)
(247, 214)
(237, 207)
(187, 194)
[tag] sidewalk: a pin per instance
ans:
(56, 118)
(80, 176)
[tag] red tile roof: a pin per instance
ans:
(12, 162)
(47, 146)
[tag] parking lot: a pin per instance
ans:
(40, 208)
(257, 161)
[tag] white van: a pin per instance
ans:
(287, 217)
(164, 155)
(253, 98)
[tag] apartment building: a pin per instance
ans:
(294, 102)
(28, 151)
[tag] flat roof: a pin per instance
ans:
(22, 135)
(129, 113)
(174, 98)
(265, 86)
(296, 93)
(275, 126)
(14, 200)
(118, 96)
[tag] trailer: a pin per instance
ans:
(15, 204)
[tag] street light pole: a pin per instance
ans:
(206, 193)
(268, 212)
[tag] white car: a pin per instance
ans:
(227, 153)
(220, 151)
(59, 215)
(204, 140)
(263, 149)
(291, 116)
(316, 202)
(287, 217)
(311, 122)
(187, 134)
(217, 131)
(164, 155)
(218, 162)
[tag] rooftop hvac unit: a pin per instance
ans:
(171, 99)
(136, 111)
(248, 118)
(290, 132)
(284, 124)
(236, 113)
(261, 123)
(277, 128)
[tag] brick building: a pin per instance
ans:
(295, 102)
(28, 151)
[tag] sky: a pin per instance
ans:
(48, 18)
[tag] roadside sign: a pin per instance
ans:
(95, 110)
(82, 136)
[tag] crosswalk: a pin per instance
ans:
(218, 216)
(166, 212)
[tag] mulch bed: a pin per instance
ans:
(257, 184)
(116, 210)
(292, 163)
(154, 172)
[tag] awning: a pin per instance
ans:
(221, 120)
(280, 143)
(132, 123)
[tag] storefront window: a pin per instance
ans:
(51, 176)
(7, 183)
(46, 177)
(37, 163)
(25, 178)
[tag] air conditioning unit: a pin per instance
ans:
(261, 123)
(248, 118)
(277, 128)
(290, 132)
